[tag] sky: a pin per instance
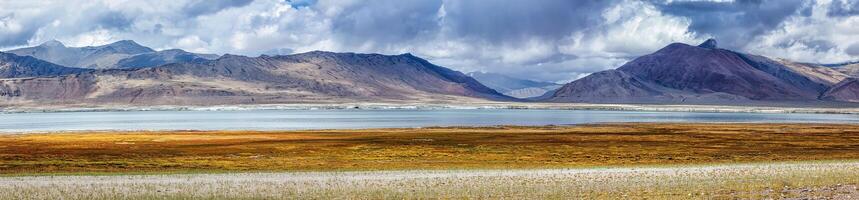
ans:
(549, 40)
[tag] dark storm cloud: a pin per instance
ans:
(853, 49)
(495, 21)
(386, 21)
(478, 26)
(842, 8)
(204, 7)
(736, 23)
(510, 20)
(15, 38)
(114, 20)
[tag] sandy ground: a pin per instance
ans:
(830, 180)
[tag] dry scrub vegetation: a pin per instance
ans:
(425, 148)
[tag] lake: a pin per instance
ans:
(347, 119)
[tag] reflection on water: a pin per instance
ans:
(336, 119)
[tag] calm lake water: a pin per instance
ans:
(337, 119)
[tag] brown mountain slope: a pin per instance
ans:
(308, 77)
(851, 69)
(810, 77)
(817, 73)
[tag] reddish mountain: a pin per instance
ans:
(681, 73)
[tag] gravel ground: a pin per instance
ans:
(829, 180)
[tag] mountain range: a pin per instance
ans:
(127, 73)
(312, 77)
(514, 87)
(120, 54)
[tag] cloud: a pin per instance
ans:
(385, 22)
(509, 21)
(816, 37)
(553, 40)
(202, 7)
(12, 32)
(733, 23)
(300, 3)
(113, 20)
(842, 8)
(853, 49)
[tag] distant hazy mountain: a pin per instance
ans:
(14, 66)
(95, 57)
(514, 87)
(680, 73)
(158, 58)
(311, 77)
(121, 54)
(841, 64)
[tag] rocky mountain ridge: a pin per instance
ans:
(14, 66)
(313, 77)
(705, 74)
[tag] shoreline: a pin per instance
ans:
(435, 106)
(350, 130)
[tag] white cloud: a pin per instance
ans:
(816, 38)
(91, 38)
(8, 25)
(631, 29)
(193, 43)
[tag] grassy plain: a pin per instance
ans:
(504, 147)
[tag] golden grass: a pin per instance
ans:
(426, 148)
